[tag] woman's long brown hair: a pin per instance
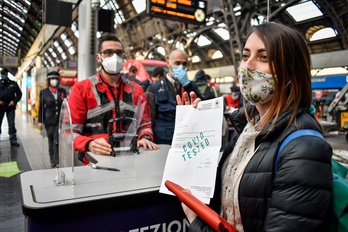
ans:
(289, 61)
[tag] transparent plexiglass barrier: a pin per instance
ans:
(115, 173)
(64, 175)
(65, 172)
(122, 136)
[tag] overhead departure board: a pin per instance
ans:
(189, 11)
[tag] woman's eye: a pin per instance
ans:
(244, 56)
(264, 57)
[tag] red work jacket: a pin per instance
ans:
(230, 102)
(93, 102)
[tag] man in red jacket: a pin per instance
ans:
(104, 96)
(232, 100)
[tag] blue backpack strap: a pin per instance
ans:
(294, 135)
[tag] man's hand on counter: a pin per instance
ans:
(147, 144)
(100, 147)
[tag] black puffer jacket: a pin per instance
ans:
(297, 198)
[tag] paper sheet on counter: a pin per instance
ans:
(193, 157)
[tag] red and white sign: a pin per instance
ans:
(68, 76)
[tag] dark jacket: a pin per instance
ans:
(166, 108)
(132, 78)
(206, 91)
(9, 91)
(165, 113)
(298, 197)
(49, 108)
(144, 84)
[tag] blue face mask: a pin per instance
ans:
(180, 73)
(178, 69)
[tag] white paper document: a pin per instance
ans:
(193, 157)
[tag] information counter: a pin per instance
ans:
(103, 200)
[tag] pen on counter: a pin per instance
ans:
(106, 168)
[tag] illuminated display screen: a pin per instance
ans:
(189, 11)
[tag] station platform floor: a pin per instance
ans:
(32, 154)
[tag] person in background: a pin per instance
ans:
(158, 74)
(51, 99)
(104, 96)
(132, 77)
(10, 94)
(132, 74)
(232, 100)
(161, 96)
(209, 80)
(203, 86)
(255, 189)
(35, 106)
(212, 85)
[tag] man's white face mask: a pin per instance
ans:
(112, 65)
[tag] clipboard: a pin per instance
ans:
(202, 210)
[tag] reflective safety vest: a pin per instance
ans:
(93, 102)
(165, 113)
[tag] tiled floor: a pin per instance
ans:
(11, 217)
(32, 143)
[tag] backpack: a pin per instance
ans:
(206, 91)
(339, 210)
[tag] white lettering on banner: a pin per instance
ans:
(174, 226)
(319, 79)
(155, 227)
(69, 79)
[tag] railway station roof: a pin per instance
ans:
(217, 42)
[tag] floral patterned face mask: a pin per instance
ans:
(257, 87)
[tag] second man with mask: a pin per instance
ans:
(162, 96)
(104, 96)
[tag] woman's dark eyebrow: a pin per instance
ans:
(258, 51)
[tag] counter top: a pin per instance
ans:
(39, 191)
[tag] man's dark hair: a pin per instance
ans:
(107, 37)
(133, 69)
(158, 71)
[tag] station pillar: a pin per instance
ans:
(87, 46)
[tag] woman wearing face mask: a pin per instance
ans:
(51, 100)
(253, 192)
